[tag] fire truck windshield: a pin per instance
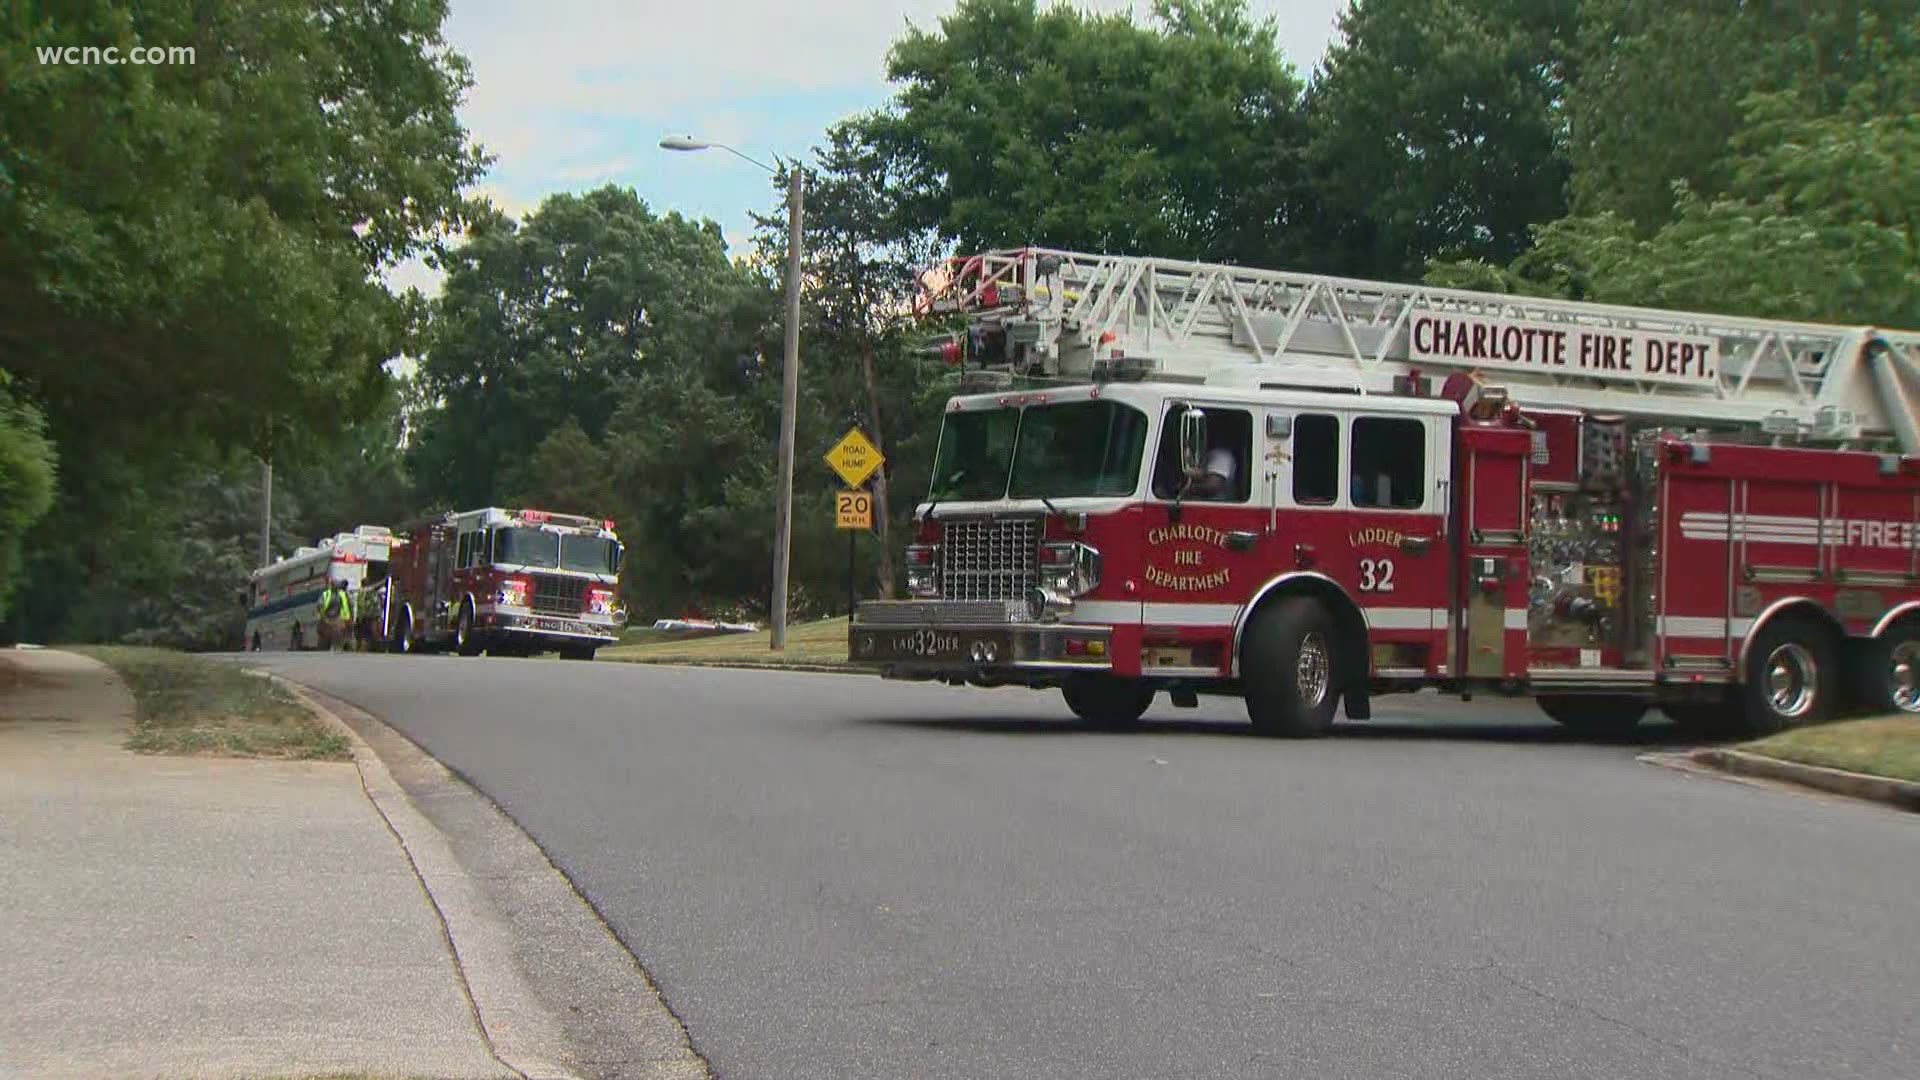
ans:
(588, 554)
(1042, 451)
(527, 547)
(543, 550)
(1081, 448)
(976, 452)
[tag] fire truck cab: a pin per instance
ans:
(1307, 491)
(507, 582)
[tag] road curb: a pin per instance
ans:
(1902, 794)
(522, 1035)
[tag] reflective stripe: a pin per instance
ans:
(1190, 614)
(1704, 626)
(1803, 531)
(1402, 618)
(1105, 611)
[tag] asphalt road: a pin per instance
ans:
(833, 876)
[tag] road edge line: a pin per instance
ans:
(474, 939)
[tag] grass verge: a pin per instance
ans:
(823, 642)
(189, 705)
(1883, 746)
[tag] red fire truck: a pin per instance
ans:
(1305, 490)
(510, 582)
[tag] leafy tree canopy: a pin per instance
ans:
(1439, 127)
(191, 248)
(1807, 222)
(542, 321)
(1015, 125)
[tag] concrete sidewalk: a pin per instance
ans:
(173, 917)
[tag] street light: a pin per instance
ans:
(789, 380)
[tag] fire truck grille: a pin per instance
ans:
(989, 559)
(554, 594)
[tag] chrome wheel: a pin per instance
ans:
(1310, 671)
(1903, 676)
(1792, 679)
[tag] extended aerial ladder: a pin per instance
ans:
(1048, 314)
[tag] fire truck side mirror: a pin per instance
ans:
(1193, 440)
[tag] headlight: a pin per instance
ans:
(923, 576)
(1069, 568)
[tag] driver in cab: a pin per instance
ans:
(1215, 477)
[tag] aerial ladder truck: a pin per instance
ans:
(1308, 490)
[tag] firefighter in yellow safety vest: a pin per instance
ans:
(336, 616)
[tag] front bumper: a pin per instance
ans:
(936, 639)
(603, 629)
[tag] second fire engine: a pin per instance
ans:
(509, 582)
(1188, 478)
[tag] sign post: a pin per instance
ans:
(852, 511)
(854, 458)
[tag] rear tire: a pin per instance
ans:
(1791, 677)
(1107, 701)
(465, 640)
(1890, 673)
(1594, 716)
(1290, 661)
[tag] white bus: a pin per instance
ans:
(283, 600)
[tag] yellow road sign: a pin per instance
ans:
(854, 458)
(853, 510)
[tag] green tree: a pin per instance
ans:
(694, 467)
(356, 477)
(862, 254)
(156, 548)
(570, 472)
(190, 260)
(27, 473)
(1805, 224)
(1661, 85)
(545, 321)
(1438, 128)
(194, 247)
(1012, 125)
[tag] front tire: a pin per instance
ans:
(1790, 677)
(465, 640)
(1598, 717)
(578, 652)
(1290, 661)
(1107, 701)
(402, 635)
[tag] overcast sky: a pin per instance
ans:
(572, 94)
